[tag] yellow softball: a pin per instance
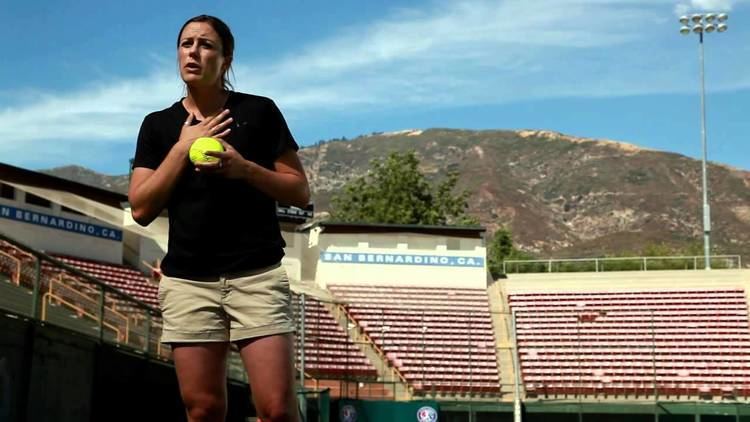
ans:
(200, 146)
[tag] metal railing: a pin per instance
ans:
(635, 263)
(89, 305)
(83, 305)
(14, 269)
(591, 352)
(421, 342)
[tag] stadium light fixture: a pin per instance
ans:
(702, 24)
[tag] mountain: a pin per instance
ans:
(89, 177)
(559, 195)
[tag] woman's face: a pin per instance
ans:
(201, 56)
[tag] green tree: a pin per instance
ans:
(395, 191)
(658, 249)
(500, 249)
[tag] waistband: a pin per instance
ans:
(236, 274)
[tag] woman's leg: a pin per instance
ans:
(270, 368)
(202, 374)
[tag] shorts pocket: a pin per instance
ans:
(161, 293)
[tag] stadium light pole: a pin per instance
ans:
(350, 327)
(516, 368)
(704, 24)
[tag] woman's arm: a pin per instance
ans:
(150, 189)
(286, 183)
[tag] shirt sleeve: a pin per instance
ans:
(280, 136)
(147, 152)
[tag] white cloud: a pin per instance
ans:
(473, 52)
(451, 55)
(685, 7)
(460, 52)
(101, 112)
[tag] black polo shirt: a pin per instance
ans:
(217, 225)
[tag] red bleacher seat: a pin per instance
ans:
(329, 352)
(680, 342)
(121, 277)
(440, 339)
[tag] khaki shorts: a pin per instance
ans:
(230, 308)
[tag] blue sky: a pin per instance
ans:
(79, 76)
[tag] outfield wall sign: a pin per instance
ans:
(401, 259)
(60, 223)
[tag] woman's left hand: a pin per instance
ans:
(231, 163)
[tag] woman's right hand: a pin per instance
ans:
(150, 189)
(216, 126)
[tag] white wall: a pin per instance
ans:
(615, 281)
(149, 251)
(399, 259)
(292, 254)
(56, 240)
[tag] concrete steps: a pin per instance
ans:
(504, 346)
(393, 379)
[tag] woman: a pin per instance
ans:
(222, 279)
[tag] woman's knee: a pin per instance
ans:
(205, 408)
(278, 411)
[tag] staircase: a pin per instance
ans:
(502, 322)
(396, 382)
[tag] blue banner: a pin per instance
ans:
(400, 259)
(60, 223)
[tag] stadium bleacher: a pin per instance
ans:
(679, 344)
(121, 277)
(16, 263)
(662, 342)
(440, 339)
(329, 351)
(72, 301)
(435, 333)
(19, 265)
